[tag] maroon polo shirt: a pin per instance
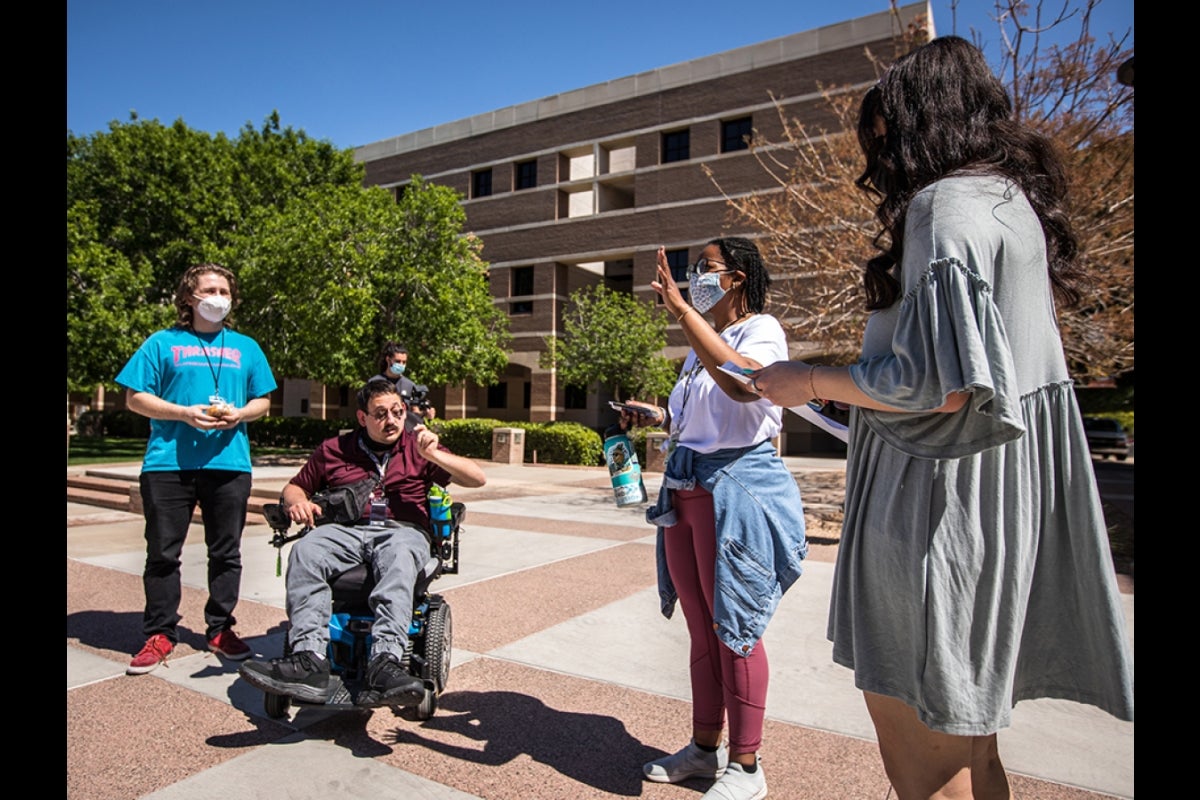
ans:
(342, 460)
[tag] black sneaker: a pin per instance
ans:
(389, 683)
(301, 675)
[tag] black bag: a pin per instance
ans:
(344, 505)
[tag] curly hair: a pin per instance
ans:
(742, 254)
(187, 287)
(945, 112)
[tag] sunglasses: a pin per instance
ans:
(381, 416)
(701, 267)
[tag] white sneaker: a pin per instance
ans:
(690, 762)
(737, 784)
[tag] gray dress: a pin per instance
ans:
(974, 569)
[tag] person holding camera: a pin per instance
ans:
(391, 533)
(199, 382)
(393, 361)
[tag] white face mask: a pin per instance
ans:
(214, 308)
(705, 290)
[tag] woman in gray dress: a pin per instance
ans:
(974, 569)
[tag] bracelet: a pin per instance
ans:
(679, 319)
(662, 415)
(812, 387)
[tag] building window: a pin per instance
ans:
(521, 286)
(401, 190)
(526, 175)
(675, 146)
(527, 395)
(677, 260)
(576, 397)
(735, 134)
(481, 183)
(498, 396)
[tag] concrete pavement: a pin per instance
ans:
(565, 678)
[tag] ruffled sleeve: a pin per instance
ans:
(949, 337)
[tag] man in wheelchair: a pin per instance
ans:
(392, 470)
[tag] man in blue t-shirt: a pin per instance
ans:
(199, 382)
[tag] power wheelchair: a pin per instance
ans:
(427, 655)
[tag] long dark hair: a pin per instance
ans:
(945, 112)
(742, 254)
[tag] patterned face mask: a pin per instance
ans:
(705, 290)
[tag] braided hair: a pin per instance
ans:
(742, 255)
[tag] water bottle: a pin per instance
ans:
(623, 467)
(439, 512)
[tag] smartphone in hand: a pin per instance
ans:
(647, 412)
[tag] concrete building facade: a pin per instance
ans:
(583, 187)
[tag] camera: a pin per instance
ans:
(416, 398)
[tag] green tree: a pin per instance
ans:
(611, 339)
(106, 309)
(146, 200)
(329, 270)
(342, 269)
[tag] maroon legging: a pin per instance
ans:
(721, 680)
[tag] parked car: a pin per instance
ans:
(1106, 437)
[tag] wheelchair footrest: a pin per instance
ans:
(343, 696)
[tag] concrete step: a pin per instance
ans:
(123, 495)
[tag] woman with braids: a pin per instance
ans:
(729, 517)
(974, 569)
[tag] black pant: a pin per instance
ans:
(169, 499)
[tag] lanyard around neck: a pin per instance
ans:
(215, 371)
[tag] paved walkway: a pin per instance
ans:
(565, 678)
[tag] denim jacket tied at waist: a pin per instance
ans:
(760, 535)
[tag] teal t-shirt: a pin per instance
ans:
(185, 367)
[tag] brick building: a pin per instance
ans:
(583, 187)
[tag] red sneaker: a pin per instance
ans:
(228, 644)
(153, 653)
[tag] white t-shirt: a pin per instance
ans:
(706, 419)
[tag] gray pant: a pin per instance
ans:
(396, 555)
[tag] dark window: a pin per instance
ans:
(522, 286)
(303, 405)
(402, 190)
(735, 135)
(526, 174)
(343, 395)
(576, 397)
(675, 146)
(527, 393)
(677, 260)
(498, 396)
(481, 183)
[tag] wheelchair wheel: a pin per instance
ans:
(428, 705)
(276, 705)
(438, 638)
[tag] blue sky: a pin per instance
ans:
(354, 73)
